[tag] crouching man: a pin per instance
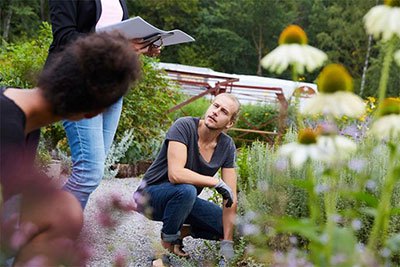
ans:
(193, 151)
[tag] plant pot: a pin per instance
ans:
(132, 170)
(54, 169)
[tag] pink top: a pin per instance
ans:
(111, 12)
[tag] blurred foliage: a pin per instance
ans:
(256, 117)
(20, 62)
(269, 190)
(232, 36)
(21, 19)
(144, 110)
(144, 107)
(196, 108)
(374, 74)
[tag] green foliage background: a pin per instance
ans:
(232, 36)
(144, 107)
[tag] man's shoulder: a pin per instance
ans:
(226, 139)
(187, 121)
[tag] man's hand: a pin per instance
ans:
(146, 48)
(226, 250)
(226, 192)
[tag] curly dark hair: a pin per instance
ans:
(90, 74)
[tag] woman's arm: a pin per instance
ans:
(64, 21)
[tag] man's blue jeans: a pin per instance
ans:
(90, 141)
(178, 204)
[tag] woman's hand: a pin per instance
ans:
(146, 48)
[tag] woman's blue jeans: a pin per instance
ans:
(90, 141)
(178, 204)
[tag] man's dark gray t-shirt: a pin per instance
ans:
(184, 130)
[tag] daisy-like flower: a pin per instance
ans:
(384, 20)
(306, 148)
(336, 97)
(336, 147)
(387, 127)
(294, 51)
(397, 57)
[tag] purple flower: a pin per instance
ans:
(357, 165)
(353, 131)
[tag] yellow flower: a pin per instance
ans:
(306, 148)
(383, 20)
(294, 51)
(334, 78)
(363, 118)
(336, 98)
(390, 105)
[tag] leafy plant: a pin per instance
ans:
(117, 151)
(21, 62)
(144, 110)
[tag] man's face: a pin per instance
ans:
(219, 115)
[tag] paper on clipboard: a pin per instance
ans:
(139, 28)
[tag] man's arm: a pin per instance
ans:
(229, 214)
(178, 174)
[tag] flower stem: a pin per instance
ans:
(330, 210)
(387, 60)
(381, 222)
(313, 202)
(295, 76)
(296, 95)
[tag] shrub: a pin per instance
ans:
(22, 61)
(145, 110)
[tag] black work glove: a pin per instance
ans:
(226, 192)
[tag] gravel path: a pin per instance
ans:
(134, 236)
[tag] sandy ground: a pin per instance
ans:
(135, 239)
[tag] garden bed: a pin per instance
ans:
(132, 170)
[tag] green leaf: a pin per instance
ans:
(366, 197)
(304, 184)
(393, 243)
(369, 211)
(303, 227)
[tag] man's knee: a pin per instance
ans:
(187, 192)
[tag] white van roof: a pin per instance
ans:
(248, 88)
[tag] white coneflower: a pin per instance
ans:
(387, 127)
(294, 51)
(306, 148)
(336, 146)
(384, 20)
(397, 57)
(335, 98)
